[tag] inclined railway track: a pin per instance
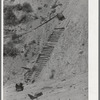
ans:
(44, 56)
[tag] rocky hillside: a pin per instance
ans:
(45, 50)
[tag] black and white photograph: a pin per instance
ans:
(45, 50)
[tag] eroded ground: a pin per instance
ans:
(45, 50)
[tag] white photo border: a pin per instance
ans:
(93, 49)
